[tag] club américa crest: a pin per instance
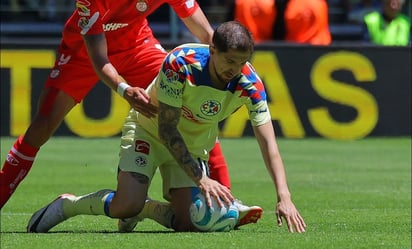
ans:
(210, 107)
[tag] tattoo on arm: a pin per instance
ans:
(140, 178)
(168, 119)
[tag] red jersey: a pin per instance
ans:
(123, 22)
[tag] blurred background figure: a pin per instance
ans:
(284, 20)
(257, 15)
(361, 8)
(389, 26)
(302, 22)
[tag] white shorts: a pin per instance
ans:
(142, 153)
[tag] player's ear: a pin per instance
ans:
(212, 49)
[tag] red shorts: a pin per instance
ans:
(73, 73)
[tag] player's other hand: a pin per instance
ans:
(140, 101)
(213, 189)
(287, 210)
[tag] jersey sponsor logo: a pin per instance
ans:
(170, 91)
(141, 161)
(210, 107)
(86, 24)
(82, 6)
(190, 4)
(142, 147)
(113, 26)
(141, 6)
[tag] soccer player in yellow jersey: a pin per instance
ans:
(197, 87)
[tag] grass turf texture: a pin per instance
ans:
(353, 194)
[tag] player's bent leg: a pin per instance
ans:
(127, 225)
(130, 200)
(217, 166)
(15, 168)
(53, 107)
(126, 202)
(181, 201)
(130, 196)
(161, 212)
(67, 206)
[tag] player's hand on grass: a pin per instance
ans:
(140, 101)
(286, 209)
(213, 189)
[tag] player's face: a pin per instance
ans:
(227, 65)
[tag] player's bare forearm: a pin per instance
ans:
(97, 50)
(168, 119)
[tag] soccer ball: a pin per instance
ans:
(215, 219)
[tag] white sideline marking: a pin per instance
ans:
(15, 214)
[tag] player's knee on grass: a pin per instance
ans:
(125, 209)
(130, 196)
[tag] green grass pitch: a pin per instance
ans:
(352, 194)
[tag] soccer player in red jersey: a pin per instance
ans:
(109, 41)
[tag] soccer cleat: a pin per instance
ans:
(49, 216)
(127, 225)
(247, 214)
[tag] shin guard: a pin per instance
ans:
(15, 168)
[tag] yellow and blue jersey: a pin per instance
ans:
(184, 82)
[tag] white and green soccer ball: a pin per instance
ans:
(214, 219)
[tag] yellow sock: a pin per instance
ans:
(96, 203)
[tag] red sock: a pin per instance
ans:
(15, 168)
(217, 166)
